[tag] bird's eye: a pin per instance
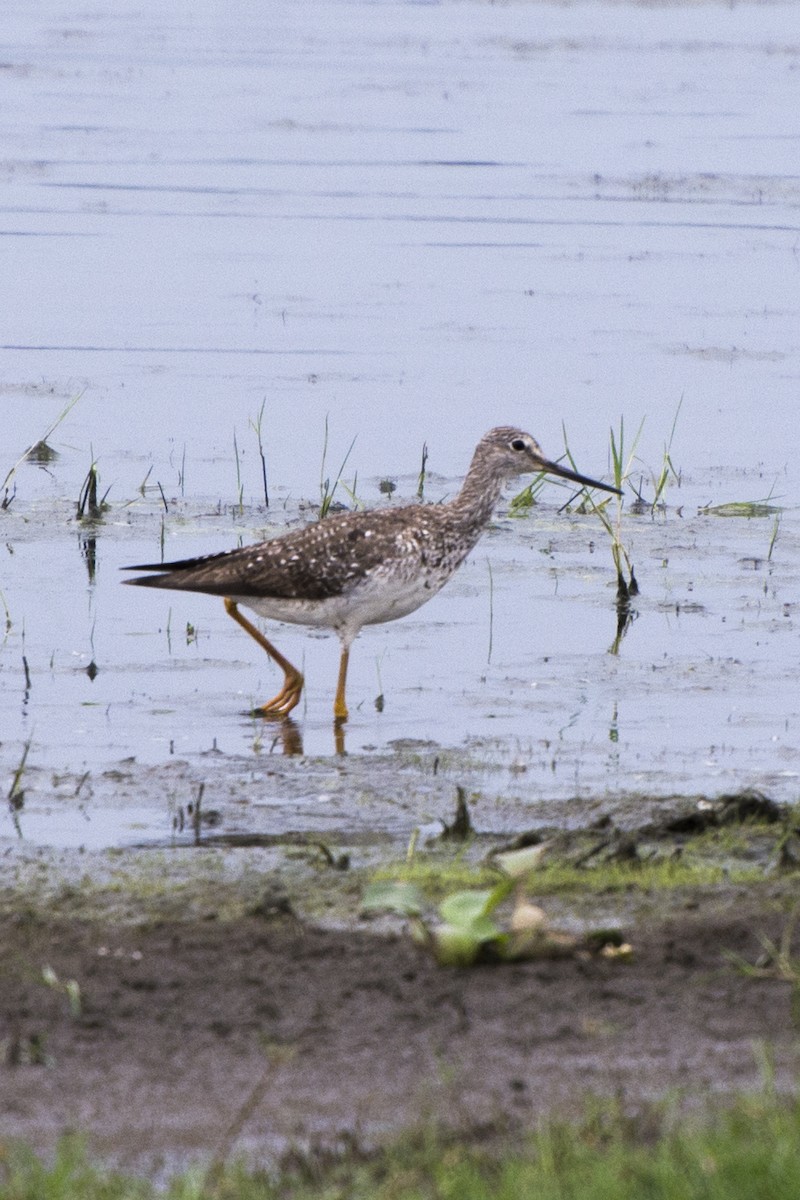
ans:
(517, 444)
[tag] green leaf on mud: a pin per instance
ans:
(459, 945)
(465, 909)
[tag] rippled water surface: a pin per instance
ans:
(405, 223)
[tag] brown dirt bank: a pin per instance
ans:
(351, 1033)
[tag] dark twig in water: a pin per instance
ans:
(195, 813)
(461, 827)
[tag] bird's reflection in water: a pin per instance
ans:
(287, 735)
(289, 739)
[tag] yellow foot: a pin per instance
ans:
(287, 698)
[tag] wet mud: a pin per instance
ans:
(202, 1000)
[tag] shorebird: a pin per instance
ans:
(358, 568)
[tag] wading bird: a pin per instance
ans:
(358, 568)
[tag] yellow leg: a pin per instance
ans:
(339, 705)
(289, 695)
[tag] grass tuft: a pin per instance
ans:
(89, 507)
(744, 1150)
(34, 453)
(256, 426)
(327, 489)
(422, 472)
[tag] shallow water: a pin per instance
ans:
(417, 221)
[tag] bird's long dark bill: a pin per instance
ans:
(552, 468)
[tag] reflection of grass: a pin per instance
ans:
(627, 586)
(773, 537)
(16, 793)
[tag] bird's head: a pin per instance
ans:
(509, 451)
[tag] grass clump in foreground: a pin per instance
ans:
(746, 1151)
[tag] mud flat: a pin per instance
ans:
(173, 1003)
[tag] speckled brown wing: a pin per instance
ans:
(313, 563)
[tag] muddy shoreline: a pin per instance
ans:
(238, 999)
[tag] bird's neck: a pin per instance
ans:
(477, 499)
